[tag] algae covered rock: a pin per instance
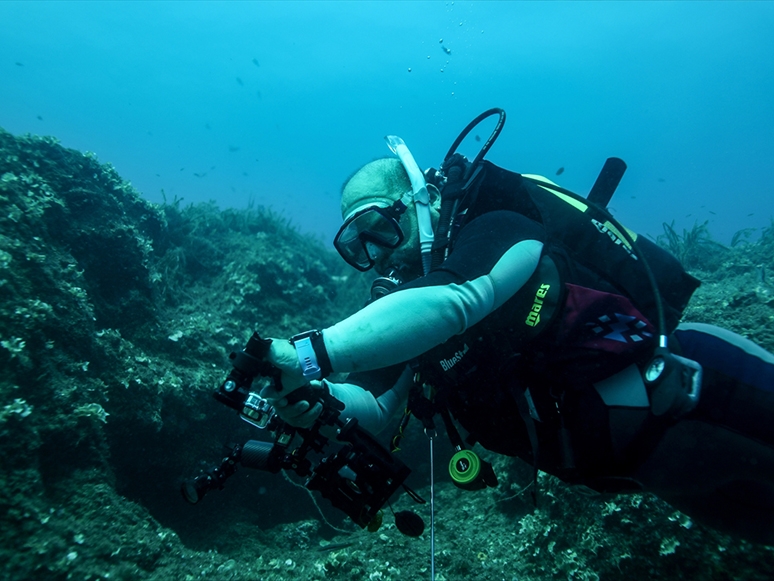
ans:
(116, 319)
(76, 234)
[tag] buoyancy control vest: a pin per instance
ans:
(587, 312)
(582, 235)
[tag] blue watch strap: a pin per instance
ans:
(307, 357)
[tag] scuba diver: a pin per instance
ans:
(530, 317)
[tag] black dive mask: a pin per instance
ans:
(363, 234)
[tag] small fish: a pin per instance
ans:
(158, 175)
(334, 546)
(40, 118)
(207, 126)
(478, 138)
(182, 168)
(244, 173)
(18, 64)
(711, 212)
(233, 148)
(258, 94)
(446, 50)
(256, 63)
(751, 214)
(212, 167)
(662, 180)
(560, 171)
(200, 175)
(238, 80)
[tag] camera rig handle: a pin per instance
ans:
(235, 392)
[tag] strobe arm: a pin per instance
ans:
(194, 489)
(255, 454)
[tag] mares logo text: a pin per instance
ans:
(614, 235)
(533, 317)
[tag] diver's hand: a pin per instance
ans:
(301, 413)
(282, 354)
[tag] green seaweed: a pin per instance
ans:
(742, 236)
(695, 248)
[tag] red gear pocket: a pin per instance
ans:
(593, 319)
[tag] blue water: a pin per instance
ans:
(279, 102)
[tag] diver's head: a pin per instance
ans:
(381, 229)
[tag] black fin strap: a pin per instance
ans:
(521, 402)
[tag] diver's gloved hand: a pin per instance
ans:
(301, 414)
(282, 354)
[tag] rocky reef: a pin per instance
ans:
(116, 320)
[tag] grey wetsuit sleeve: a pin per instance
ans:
(372, 413)
(407, 323)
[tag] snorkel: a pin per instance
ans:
(420, 196)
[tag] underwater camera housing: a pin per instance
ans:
(358, 478)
